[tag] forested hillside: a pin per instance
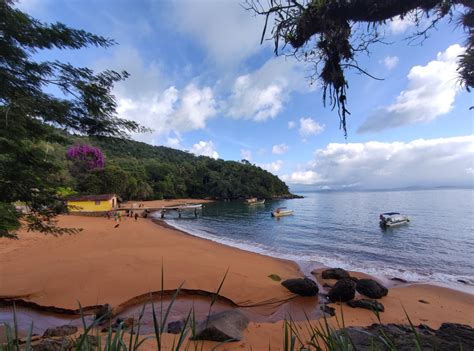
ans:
(136, 170)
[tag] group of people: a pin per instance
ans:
(117, 215)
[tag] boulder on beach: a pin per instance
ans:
(335, 273)
(368, 304)
(301, 286)
(371, 288)
(63, 330)
(222, 326)
(449, 336)
(342, 291)
(64, 343)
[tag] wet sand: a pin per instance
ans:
(103, 264)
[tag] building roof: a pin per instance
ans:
(101, 197)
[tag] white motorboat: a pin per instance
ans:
(282, 211)
(392, 219)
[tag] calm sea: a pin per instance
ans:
(340, 229)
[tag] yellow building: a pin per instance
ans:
(92, 203)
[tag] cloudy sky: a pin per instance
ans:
(202, 82)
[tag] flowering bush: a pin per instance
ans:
(91, 157)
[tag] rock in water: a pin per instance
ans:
(368, 304)
(329, 310)
(175, 327)
(222, 326)
(371, 288)
(301, 286)
(342, 291)
(335, 273)
(63, 330)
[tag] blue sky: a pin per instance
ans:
(202, 81)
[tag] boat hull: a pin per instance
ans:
(282, 213)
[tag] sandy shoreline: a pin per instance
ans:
(103, 264)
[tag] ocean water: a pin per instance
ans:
(340, 229)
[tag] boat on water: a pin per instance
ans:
(393, 219)
(281, 212)
(254, 201)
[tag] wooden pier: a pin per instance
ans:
(182, 208)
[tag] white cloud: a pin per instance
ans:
(205, 148)
(309, 126)
(228, 33)
(399, 26)
(150, 99)
(430, 93)
(272, 167)
(174, 143)
(432, 162)
(303, 177)
(260, 95)
(280, 149)
(291, 124)
(390, 62)
(246, 154)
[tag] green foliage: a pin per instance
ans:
(30, 169)
(136, 170)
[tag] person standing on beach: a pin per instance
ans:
(136, 216)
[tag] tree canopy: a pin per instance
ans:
(331, 33)
(82, 103)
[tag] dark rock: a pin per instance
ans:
(368, 304)
(301, 286)
(459, 334)
(53, 344)
(396, 279)
(222, 326)
(463, 281)
(371, 288)
(103, 313)
(335, 273)
(63, 330)
(448, 337)
(329, 310)
(343, 290)
(175, 327)
(423, 301)
(120, 323)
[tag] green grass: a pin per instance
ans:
(317, 335)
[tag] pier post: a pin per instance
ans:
(179, 213)
(195, 213)
(162, 214)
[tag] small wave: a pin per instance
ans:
(304, 259)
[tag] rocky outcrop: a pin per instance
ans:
(448, 337)
(63, 330)
(223, 326)
(368, 304)
(371, 288)
(342, 291)
(301, 286)
(335, 273)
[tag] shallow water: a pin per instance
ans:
(341, 229)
